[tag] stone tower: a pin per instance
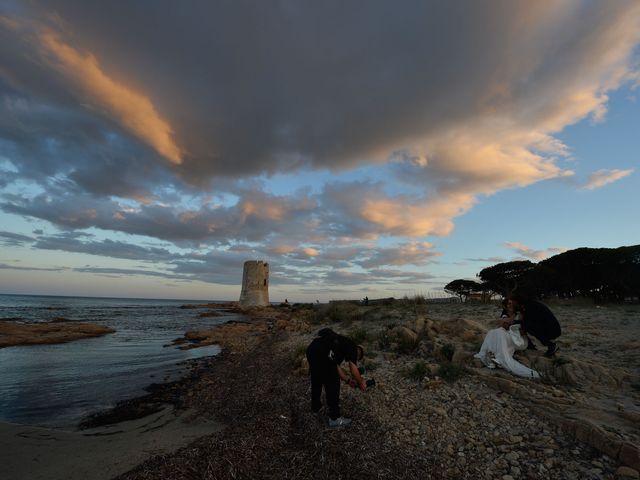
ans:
(255, 283)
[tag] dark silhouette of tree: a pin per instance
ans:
(506, 278)
(463, 288)
(603, 274)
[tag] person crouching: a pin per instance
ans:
(325, 354)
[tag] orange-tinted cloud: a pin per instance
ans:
(266, 210)
(131, 109)
(311, 252)
(531, 254)
(397, 216)
(603, 177)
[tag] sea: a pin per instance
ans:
(56, 386)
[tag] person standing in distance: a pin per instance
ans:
(325, 354)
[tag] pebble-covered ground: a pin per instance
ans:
(404, 427)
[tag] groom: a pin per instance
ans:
(539, 321)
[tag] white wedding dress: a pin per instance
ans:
(498, 348)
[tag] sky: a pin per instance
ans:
(363, 148)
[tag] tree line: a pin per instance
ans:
(602, 274)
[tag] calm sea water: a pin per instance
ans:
(56, 385)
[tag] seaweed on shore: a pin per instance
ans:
(272, 432)
(159, 396)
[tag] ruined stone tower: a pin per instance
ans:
(255, 283)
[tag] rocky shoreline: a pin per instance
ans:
(433, 413)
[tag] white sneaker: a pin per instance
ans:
(339, 422)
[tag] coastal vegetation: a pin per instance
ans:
(603, 275)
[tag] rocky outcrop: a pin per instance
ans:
(58, 331)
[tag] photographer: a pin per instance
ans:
(325, 354)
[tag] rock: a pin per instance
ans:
(604, 442)
(12, 333)
(583, 431)
(627, 472)
(405, 334)
(512, 456)
(630, 456)
(462, 357)
(416, 325)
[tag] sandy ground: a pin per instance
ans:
(32, 453)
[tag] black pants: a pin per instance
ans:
(540, 322)
(323, 373)
(545, 332)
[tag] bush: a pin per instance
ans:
(384, 340)
(447, 351)
(359, 335)
(451, 372)
(342, 312)
(417, 372)
(301, 306)
(300, 350)
(407, 345)
(417, 303)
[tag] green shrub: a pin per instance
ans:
(320, 314)
(447, 351)
(359, 335)
(343, 312)
(417, 303)
(384, 340)
(407, 345)
(301, 306)
(417, 372)
(451, 372)
(300, 350)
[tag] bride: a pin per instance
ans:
(500, 344)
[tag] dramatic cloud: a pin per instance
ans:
(107, 248)
(133, 110)
(604, 177)
(531, 254)
(173, 123)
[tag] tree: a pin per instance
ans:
(603, 274)
(506, 278)
(462, 288)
